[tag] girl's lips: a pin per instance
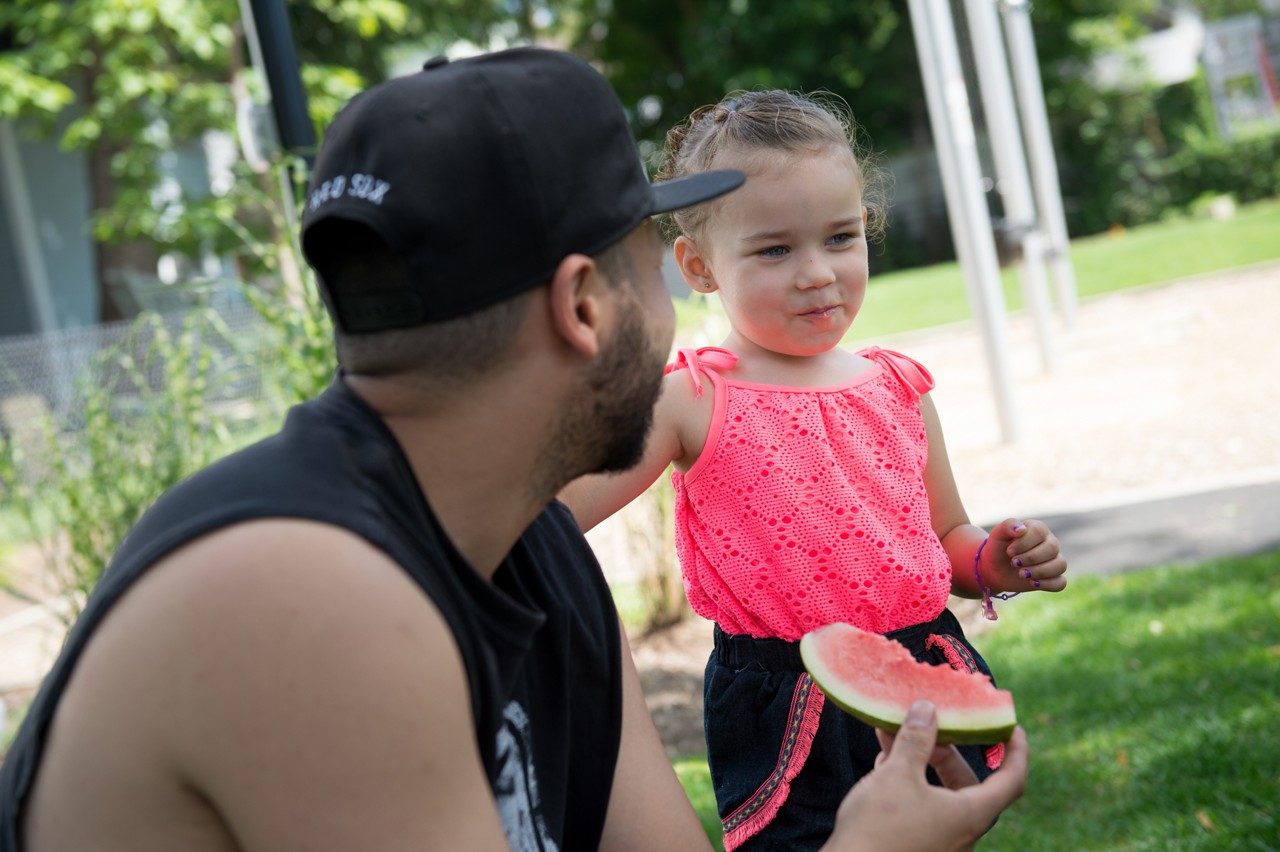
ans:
(820, 313)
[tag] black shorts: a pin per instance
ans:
(782, 758)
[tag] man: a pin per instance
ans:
(377, 629)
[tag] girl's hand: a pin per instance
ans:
(1023, 556)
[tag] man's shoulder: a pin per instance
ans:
(278, 559)
(278, 658)
(278, 598)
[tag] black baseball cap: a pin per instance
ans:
(481, 175)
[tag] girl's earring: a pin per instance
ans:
(706, 285)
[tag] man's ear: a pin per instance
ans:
(576, 302)
(693, 266)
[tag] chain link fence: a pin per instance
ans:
(44, 377)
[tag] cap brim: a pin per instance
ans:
(694, 189)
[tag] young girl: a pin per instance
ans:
(812, 483)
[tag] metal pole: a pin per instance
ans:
(952, 124)
(272, 49)
(1044, 169)
(1013, 182)
(274, 56)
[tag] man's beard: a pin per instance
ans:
(604, 426)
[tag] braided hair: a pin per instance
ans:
(761, 122)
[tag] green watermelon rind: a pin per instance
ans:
(950, 731)
(946, 736)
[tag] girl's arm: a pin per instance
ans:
(1019, 556)
(960, 538)
(674, 438)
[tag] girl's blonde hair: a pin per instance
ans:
(749, 122)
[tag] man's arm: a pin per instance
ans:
(648, 809)
(299, 682)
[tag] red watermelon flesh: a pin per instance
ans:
(876, 679)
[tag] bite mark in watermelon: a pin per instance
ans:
(876, 679)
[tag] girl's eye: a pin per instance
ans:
(773, 251)
(841, 239)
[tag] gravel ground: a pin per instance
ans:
(1168, 389)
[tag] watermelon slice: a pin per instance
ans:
(876, 679)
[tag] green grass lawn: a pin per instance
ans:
(1152, 704)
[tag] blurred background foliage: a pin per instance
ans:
(124, 80)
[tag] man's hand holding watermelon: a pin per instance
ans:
(894, 809)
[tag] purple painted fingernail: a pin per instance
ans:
(1018, 562)
(1035, 583)
(1026, 573)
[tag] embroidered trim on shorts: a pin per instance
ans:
(962, 660)
(802, 725)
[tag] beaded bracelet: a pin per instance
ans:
(988, 608)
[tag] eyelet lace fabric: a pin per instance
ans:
(808, 505)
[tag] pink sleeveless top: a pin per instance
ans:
(808, 506)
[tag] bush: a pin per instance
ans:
(1135, 156)
(150, 412)
(1247, 168)
(143, 423)
(1111, 157)
(1133, 183)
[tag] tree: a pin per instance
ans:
(1115, 146)
(127, 82)
(138, 78)
(666, 57)
(115, 66)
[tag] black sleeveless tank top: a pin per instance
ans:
(540, 643)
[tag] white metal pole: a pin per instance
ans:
(1044, 168)
(952, 123)
(1012, 180)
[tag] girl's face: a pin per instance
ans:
(787, 252)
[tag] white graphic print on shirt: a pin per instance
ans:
(516, 788)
